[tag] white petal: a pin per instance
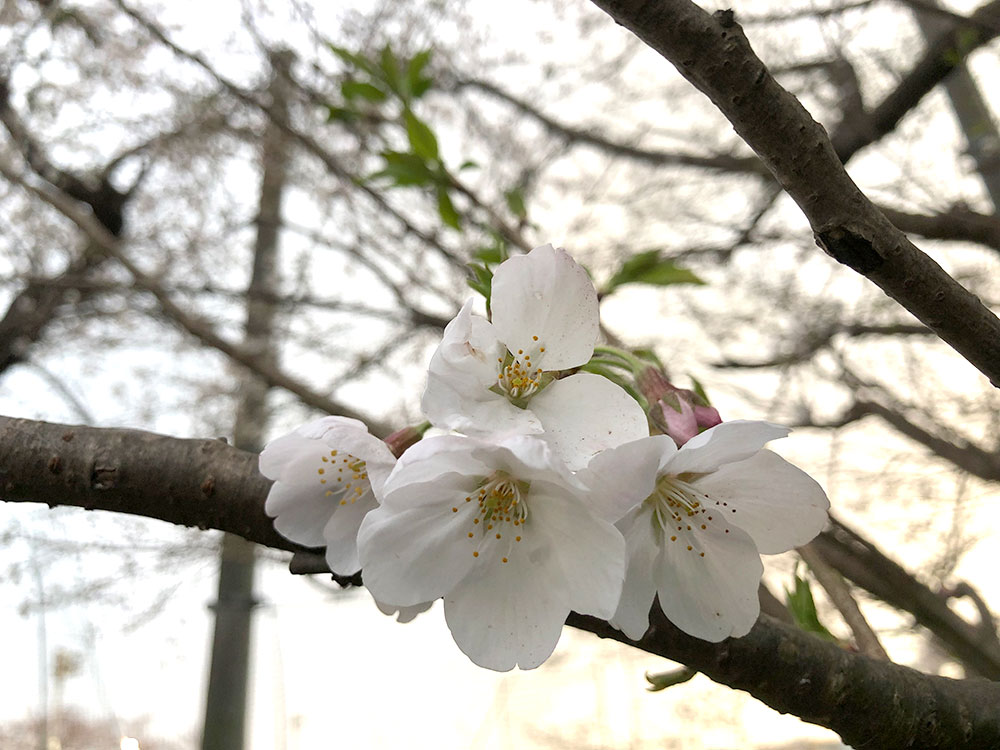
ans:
(403, 614)
(530, 459)
(621, 477)
(302, 511)
(711, 597)
(341, 533)
(462, 370)
(590, 552)
(546, 294)
(585, 414)
(306, 494)
(642, 549)
(722, 444)
(778, 504)
(434, 468)
(416, 555)
(509, 614)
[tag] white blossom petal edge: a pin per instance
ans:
(498, 379)
(695, 541)
(502, 533)
(326, 473)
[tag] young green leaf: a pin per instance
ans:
(389, 66)
(515, 202)
(359, 89)
(446, 209)
(405, 169)
(423, 142)
(354, 61)
(802, 607)
(418, 83)
(649, 268)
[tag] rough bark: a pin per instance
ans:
(712, 53)
(210, 484)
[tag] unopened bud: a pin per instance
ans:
(677, 412)
(400, 440)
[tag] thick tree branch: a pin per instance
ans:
(715, 56)
(209, 484)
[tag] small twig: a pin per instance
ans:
(840, 595)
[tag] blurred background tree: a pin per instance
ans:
(406, 140)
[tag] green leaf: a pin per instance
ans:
(418, 83)
(515, 202)
(649, 268)
(389, 65)
(446, 208)
(480, 280)
(359, 89)
(699, 390)
(405, 169)
(422, 138)
(341, 114)
(802, 607)
(354, 61)
(491, 255)
(467, 164)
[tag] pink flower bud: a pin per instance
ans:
(677, 412)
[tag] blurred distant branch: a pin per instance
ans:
(957, 224)
(209, 484)
(196, 326)
(817, 340)
(588, 136)
(840, 594)
(967, 456)
(714, 55)
(106, 286)
(430, 238)
(859, 560)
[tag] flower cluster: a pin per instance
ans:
(548, 495)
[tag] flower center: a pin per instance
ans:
(681, 512)
(345, 475)
(519, 378)
(503, 511)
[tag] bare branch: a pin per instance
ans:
(714, 55)
(197, 327)
(840, 595)
(209, 484)
(863, 563)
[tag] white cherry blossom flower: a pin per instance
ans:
(500, 378)
(324, 473)
(714, 506)
(505, 533)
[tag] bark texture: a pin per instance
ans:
(712, 53)
(209, 484)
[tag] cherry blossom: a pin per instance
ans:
(711, 508)
(493, 379)
(325, 474)
(505, 533)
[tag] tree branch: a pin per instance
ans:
(863, 563)
(209, 484)
(715, 56)
(197, 327)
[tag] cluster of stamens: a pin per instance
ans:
(518, 378)
(678, 506)
(345, 475)
(501, 500)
